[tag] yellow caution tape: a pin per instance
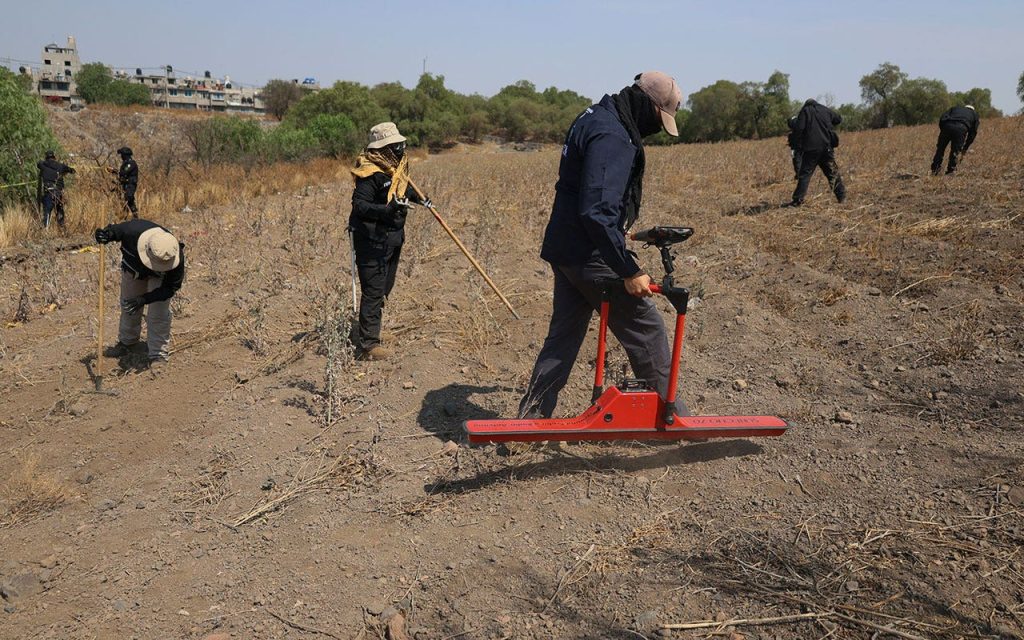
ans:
(89, 249)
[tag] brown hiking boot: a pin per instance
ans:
(376, 353)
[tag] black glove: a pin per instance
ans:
(103, 236)
(396, 210)
(427, 203)
(132, 305)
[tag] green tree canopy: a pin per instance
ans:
(348, 98)
(715, 112)
(980, 99)
(25, 137)
(918, 101)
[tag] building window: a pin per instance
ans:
(46, 62)
(67, 72)
(188, 93)
(67, 63)
(174, 92)
(155, 80)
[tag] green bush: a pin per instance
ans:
(288, 144)
(335, 135)
(25, 136)
(225, 139)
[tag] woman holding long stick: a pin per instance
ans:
(380, 204)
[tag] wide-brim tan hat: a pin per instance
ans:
(158, 250)
(383, 134)
(662, 89)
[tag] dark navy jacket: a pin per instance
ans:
(587, 217)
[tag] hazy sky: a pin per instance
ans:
(592, 47)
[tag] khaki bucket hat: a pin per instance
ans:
(158, 250)
(662, 89)
(383, 134)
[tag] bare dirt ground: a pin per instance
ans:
(268, 486)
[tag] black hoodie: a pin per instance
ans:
(813, 128)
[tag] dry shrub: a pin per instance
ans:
(964, 336)
(91, 202)
(30, 492)
(832, 295)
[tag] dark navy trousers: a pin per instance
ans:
(635, 322)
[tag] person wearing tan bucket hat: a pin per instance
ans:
(152, 271)
(597, 199)
(380, 204)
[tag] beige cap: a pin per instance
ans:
(665, 94)
(383, 134)
(158, 250)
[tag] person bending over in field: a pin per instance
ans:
(380, 203)
(597, 199)
(957, 129)
(152, 270)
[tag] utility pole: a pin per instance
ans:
(167, 82)
(424, 66)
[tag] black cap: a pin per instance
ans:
(125, 151)
(51, 154)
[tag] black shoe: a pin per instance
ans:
(118, 350)
(794, 203)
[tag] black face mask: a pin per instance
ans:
(649, 119)
(397, 150)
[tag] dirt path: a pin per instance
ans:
(893, 501)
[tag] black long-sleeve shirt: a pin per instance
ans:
(962, 116)
(128, 174)
(52, 172)
(370, 217)
(127, 233)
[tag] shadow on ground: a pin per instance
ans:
(565, 462)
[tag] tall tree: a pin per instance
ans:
(1020, 87)
(279, 96)
(918, 101)
(877, 89)
(715, 111)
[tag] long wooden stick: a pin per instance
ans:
(465, 252)
(99, 319)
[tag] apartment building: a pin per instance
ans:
(205, 94)
(55, 80)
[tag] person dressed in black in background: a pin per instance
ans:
(380, 203)
(957, 129)
(50, 187)
(816, 138)
(128, 179)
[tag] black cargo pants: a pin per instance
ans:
(635, 322)
(377, 266)
(826, 160)
(953, 135)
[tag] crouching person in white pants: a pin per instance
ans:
(152, 270)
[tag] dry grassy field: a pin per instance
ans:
(269, 486)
